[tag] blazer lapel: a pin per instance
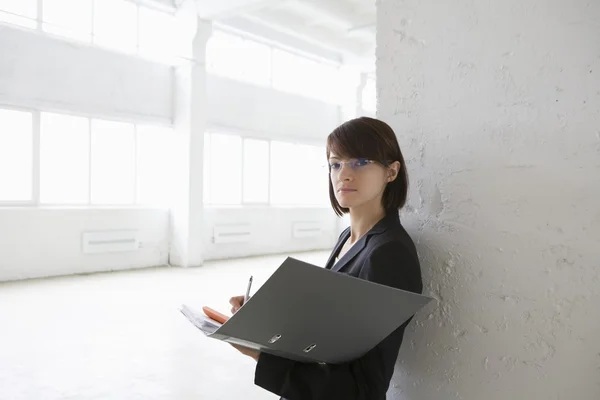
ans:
(379, 227)
(350, 254)
(336, 249)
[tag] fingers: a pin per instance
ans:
(236, 303)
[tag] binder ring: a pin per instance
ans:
(309, 348)
(274, 339)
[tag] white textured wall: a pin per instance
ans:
(497, 107)
(271, 230)
(47, 242)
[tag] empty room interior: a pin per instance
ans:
(161, 153)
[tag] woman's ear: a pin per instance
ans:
(393, 171)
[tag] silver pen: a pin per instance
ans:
(247, 296)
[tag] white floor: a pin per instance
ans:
(121, 336)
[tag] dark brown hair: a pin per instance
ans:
(375, 140)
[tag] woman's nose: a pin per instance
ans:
(346, 173)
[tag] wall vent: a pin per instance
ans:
(110, 241)
(231, 234)
(307, 229)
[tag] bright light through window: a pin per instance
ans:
(154, 155)
(312, 175)
(64, 159)
(295, 74)
(369, 95)
(158, 34)
(207, 169)
(256, 171)
(115, 24)
(69, 18)
(15, 155)
(237, 58)
(284, 173)
(225, 169)
(113, 166)
(298, 175)
(19, 12)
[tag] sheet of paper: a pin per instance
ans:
(200, 320)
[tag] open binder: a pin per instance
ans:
(311, 314)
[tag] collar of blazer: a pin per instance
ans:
(386, 222)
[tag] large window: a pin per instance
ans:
(116, 24)
(159, 35)
(298, 175)
(224, 169)
(238, 58)
(69, 18)
(83, 161)
(154, 156)
(297, 74)
(247, 60)
(112, 162)
(16, 150)
(369, 95)
(254, 171)
(19, 12)
(64, 159)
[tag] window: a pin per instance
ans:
(369, 95)
(256, 171)
(115, 24)
(83, 161)
(112, 163)
(301, 75)
(19, 12)
(16, 143)
(64, 159)
(283, 173)
(154, 155)
(313, 189)
(252, 171)
(225, 166)
(207, 169)
(69, 18)
(238, 58)
(158, 34)
(298, 176)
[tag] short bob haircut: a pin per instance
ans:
(375, 140)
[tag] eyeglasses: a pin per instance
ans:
(355, 164)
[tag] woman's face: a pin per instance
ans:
(358, 182)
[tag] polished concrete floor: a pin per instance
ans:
(120, 335)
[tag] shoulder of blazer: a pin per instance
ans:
(397, 242)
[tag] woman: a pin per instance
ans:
(368, 180)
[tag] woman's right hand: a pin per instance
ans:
(236, 302)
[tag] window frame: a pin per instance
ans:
(269, 139)
(35, 144)
(35, 202)
(88, 39)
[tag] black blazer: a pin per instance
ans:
(386, 255)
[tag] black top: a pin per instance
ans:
(385, 255)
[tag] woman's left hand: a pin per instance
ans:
(246, 351)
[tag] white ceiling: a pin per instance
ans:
(336, 29)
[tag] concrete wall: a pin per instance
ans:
(497, 107)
